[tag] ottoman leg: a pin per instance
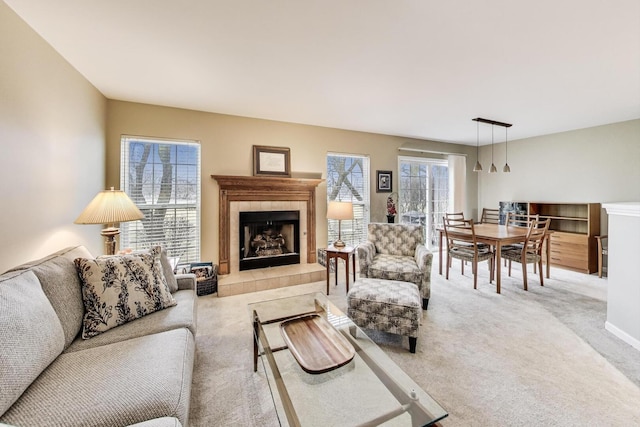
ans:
(425, 303)
(412, 344)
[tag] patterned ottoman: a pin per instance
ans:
(386, 305)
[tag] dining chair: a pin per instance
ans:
(467, 248)
(531, 251)
(456, 216)
(515, 219)
(490, 216)
(603, 249)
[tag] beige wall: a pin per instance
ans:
(599, 164)
(227, 150)
(52, 124)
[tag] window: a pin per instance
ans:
(348, 181)
(162, 177)
(423, 194)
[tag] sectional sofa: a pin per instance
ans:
(55, 370)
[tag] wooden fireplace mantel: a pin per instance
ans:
(263, 188)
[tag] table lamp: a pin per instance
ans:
(339, 211)
(110, 207)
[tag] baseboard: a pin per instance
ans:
(622, 335)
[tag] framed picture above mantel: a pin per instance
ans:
(271, 161)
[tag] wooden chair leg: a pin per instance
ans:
(599, 262)
(448, 265)
(475, 275)
(540, 268)
(524, 275)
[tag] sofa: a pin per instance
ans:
(397, 252)
(58, 368)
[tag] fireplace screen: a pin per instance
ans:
(269, 238)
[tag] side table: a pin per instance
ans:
(344, 253)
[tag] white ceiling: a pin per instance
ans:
(419, 68)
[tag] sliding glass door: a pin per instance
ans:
(423, 196)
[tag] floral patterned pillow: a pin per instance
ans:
(121, 288)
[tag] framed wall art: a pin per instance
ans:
(384, 182)
(271, 161)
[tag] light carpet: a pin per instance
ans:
(536, 358)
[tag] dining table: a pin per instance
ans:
(497, 236)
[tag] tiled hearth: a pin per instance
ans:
(269, 278)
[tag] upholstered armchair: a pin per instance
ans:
(397, 252)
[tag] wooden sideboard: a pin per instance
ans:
(574, 226)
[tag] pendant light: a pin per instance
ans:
(506, 167)
(478, 166)
(493, 168)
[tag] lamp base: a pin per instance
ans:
(110, 234)
(339, 244)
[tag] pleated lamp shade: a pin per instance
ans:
(109, 207)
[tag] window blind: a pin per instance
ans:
(162, 177)
(348, 181)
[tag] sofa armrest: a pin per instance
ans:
(366, 252)
(424, 259)
(186, 281)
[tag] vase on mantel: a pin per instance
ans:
(391, 219)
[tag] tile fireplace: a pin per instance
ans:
(252, 194)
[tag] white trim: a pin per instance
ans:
(420, 150)
(622, 335)
(623, 208)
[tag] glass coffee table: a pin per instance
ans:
(324, 370)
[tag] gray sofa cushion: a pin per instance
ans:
(182, 315)
(31, 335)
(61, 284)
(113, 385)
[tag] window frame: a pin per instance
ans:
(177, 211)
(361, 207)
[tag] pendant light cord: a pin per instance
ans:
(478, 141)
(492, 144)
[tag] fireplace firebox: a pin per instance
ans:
(269, 239)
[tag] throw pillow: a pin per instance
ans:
(31, 336)
(121, 288)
